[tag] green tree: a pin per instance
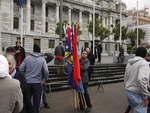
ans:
(116, 32)
(65, 22)
(100, 30)
(132, 35)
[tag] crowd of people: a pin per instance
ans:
(25, 77)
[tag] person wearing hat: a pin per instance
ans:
(19, 53)
(137, 81)
(36, 73)
(59, 57)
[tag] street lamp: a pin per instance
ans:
(93, 24)
(0, 30)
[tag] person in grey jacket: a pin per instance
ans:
(84, 65)
(137, 81)
(11, 98)
(36, 73)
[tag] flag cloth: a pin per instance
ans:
(76, 72)
(71, 56)
(20, 2)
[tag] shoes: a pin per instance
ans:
(88, 109)
(47, 106)
(80, 109)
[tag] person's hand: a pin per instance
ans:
(43, 53)
(42, 82)
(18, 51)
(145, 102)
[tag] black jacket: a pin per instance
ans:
(27, 105)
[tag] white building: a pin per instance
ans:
(41, 16)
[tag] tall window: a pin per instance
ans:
(46, 11)
(51, 43)
(105, 47)
(16, 23)
(117, 7)
(32, 24)
(16, 6)
(32, 9)
(46, 27)
(37, 41)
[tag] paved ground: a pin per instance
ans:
(112, 100)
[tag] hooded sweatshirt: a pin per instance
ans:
(137, 76)
(35, 68)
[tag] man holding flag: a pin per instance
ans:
(84, 64)
(74, 77)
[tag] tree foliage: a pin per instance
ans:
(100, 30)
(65, 22)
(116, 32)
(132, 35)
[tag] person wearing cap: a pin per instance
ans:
(59, 57)
(11, 98)
(136, 81)
(36, 73)
(19, 53)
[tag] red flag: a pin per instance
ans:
(76, 71)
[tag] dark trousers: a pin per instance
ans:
(99, 57)
(90, 71)
(35, 90)
(44, 98)
(86, 96)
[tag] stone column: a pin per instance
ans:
(69, 15)
(90, 19)
(28, 19)
(80, 18)
(12, 15)
(104, 21)
(57, 13)
(111, 36)
(43, 16)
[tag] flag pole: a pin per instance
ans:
(21, 25)
(137, 26)
(120, 21)
(0, 30)
(93, 24)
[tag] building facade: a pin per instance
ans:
(143, 22)
(40, 18)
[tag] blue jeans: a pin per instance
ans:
(136, 102)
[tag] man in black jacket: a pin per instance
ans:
(91, 58)
(48, 57)
(99, 51)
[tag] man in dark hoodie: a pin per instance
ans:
(36, 73)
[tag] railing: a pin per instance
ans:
(103, 73)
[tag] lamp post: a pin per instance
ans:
(93, 24)
(60, 38)
(137, 26)
(120, 21)
(0, 30)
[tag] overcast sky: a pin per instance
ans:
(133, 3)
